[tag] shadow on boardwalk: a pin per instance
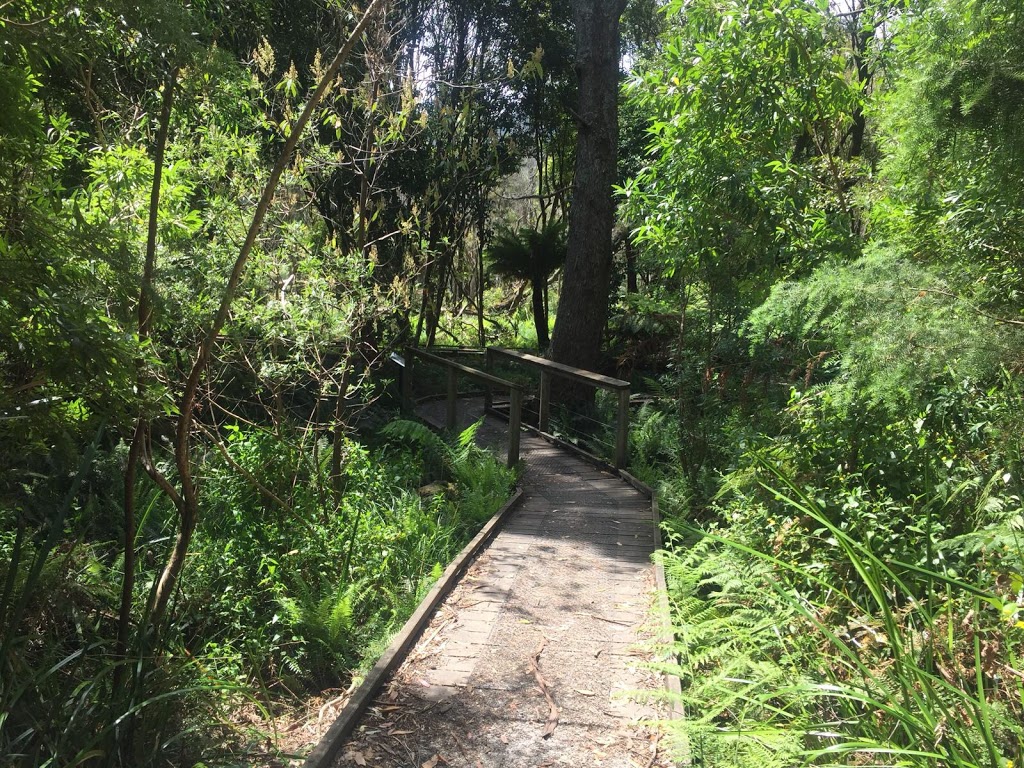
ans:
(560, 599)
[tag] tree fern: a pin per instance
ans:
(532, 255)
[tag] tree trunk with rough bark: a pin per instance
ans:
(583, 304)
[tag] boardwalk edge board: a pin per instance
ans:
(673, 685)
(324, 753)
(672, 682)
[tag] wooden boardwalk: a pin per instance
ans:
(536, 656)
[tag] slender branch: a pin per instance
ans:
(975, 307)
(30, 385)
(545, 196)
(188, 510)
(159, 478)
(140, 434)
(253, 480)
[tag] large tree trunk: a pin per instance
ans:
(583, 305)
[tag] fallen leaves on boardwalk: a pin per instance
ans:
(568, 576)
(553, 712)
(415, 724)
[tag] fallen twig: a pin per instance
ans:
(331, 703)
(553, 711)
(423, 647)
(654, 750)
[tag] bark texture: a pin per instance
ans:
(583, 305)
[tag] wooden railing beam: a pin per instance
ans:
(515, 419)
(453, 370)
(544, 408)
(550, 369)
(473, 373)
(562, 370)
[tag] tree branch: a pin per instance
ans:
(266, 492)
(189, 508)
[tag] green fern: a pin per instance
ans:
(462, 460)
(328, 625)
(733, 642)
(452, 457)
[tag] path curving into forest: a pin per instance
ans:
(535, 657)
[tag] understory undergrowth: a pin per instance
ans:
(292, 581)
(851, 591)
(845, 565)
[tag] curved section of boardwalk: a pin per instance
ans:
(534, 657)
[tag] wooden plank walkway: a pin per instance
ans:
(561, 600)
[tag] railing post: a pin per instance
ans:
(453, 392)
(622, 431)
(515, 417)
(488, 392)
(406, 384)
(544, 413)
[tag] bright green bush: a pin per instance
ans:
(295, 593)
(288, 589)
(849, 658)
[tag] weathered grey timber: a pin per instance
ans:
(549, 369)
(554, 613)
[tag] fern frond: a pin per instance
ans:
(409, 431)
(467, 437)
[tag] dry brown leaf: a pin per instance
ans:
(553, 710)
(357, 757)
(584, 692)
(504, 738)
(432, 762)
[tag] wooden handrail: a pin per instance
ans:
(565, 371)
(549, 368)
(454, 370)
(473, 373)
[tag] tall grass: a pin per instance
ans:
(895, 663)
(279, 598)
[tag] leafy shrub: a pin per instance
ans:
(877, 332)
(870, 658)
(296, 594)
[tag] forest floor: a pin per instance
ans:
(538, 656)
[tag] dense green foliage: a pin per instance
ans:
(838, 437)
(817, 286)
(159, 574)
